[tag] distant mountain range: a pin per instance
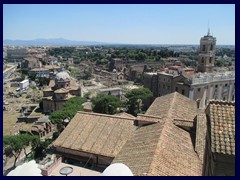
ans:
(66, 42)
(50, 42)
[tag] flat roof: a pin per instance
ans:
(26, 80)
(77, 171)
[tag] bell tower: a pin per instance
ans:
(206, 56)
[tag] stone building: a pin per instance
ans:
(207, 53)
(47, 71)
(220, 141)
(17, 54)
(31, 62)
(206, 84)
(217, 85)
(162, 83)
(41, 127)
(59, 90)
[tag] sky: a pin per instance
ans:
(131, 23)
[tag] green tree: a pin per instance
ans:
(17, 143)
(71, 106)
(106, 104)
(40, 147)
(43, 81)
(32, 77)
(135, 98)
(25, 71)
(23, 76)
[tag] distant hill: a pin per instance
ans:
(66, 42)
(50, 42)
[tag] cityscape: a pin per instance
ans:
(119, 90)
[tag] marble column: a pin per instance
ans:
(220, 89)
(211, 92)
(230, 92)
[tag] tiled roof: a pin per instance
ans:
(201, 131)
(96, 133)
(125, 115)
(30, 59)
(222, 126)
(61, 90)
(174, 106)
(48, 89)
(160, 149)
(148, 118)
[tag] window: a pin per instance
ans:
(224, 98)
(168, 87)
(226, 85)
(176, 88)
(210, 60)
(61, 85)
(216, 86)
(199, 89)
(233, 98)
(203, 48)
(211, 48)
(202, 60)
(183, 92)
(164, 86)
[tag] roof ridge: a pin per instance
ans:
(106, 115)
(221, 102)
(171, 105)
(151, 116)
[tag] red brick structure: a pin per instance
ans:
(59, 91)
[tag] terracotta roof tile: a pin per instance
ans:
(160, 149)
(176, 107)
(201, 131)
(222, 126)
(96, 133)
(61, 90)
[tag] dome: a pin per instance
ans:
(62, 76)
(117, 169)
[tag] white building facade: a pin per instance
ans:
(219, 86)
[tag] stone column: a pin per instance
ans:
(220, 89)
(203, 100)
(191, 91)
(230, 92)
(211, 92)
(206, 98)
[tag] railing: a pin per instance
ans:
(213, 77)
